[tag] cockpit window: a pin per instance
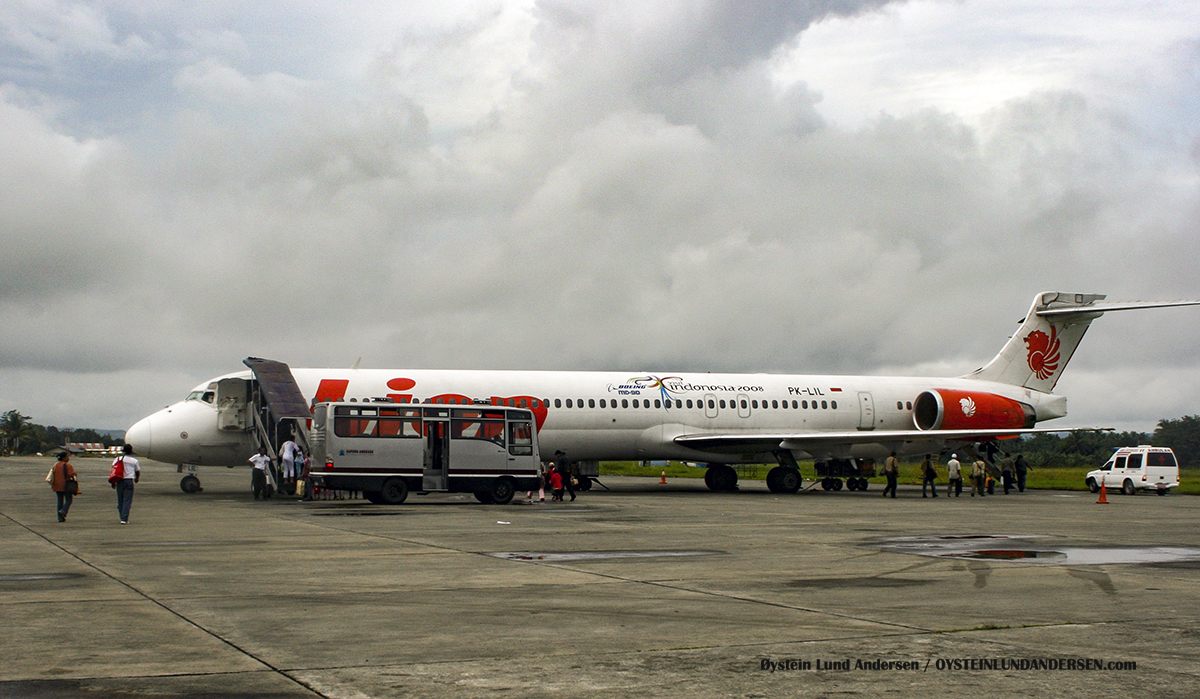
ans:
(206, 396)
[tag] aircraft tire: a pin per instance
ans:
(863, 484)
(502, 490)
(720, 477)
(791, 480)
(393, 492)
(1092, 485)
(837, 484)
(773, 480)
(1128, 488)
(190, 484)
(585, 483)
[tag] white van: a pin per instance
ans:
(1137, 468)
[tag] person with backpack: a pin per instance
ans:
(125, 472)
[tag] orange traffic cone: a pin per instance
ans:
(1103, 495)
(663, 480)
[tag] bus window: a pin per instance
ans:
(520, 438)
(489, 430)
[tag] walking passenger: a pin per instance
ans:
(978, 474)
(64, 484)
(131, 473)
(929, 476)
(258, 476)
(954, 468)
(1022, 468)
(892, 471)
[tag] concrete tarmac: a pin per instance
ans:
(642, 591)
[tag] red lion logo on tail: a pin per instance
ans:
(1043, 352)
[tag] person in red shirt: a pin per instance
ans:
(556, 485)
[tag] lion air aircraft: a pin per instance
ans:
(716, 419)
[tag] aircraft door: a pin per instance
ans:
(710, 405)
(866, 411)
(232, 398)
(436, 475)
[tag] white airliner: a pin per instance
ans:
(718, 419)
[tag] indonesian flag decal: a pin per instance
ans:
(1043, 352)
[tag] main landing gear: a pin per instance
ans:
(721, 477)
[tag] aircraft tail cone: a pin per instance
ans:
(663, 480)
(1103, 495)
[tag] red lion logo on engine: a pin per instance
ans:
(1043, 352)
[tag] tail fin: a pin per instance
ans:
(1036, 355)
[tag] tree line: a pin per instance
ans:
(19, 435)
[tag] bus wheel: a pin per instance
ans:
(502, 491)
(190, 484)
(393, 492)
(372, 497)
(484, 495)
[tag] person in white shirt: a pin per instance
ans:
(287, 458)
(955, 470)
(258, 478)
(132, 474)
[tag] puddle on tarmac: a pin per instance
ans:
(1033, 549)
(594, 555)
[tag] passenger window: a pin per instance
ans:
(833, 405)
(603, 404)
(721, 402)
(624, 402)
(558, 402)
(805, 404)
(711, 404)
(1120, 462)
(1135, 461)
(657, 404)
(591, 402)
(689, 403)
(909, 404)
(899, 405)
(744, 405)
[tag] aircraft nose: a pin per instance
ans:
(138, 437)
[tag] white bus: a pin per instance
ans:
(386, 449)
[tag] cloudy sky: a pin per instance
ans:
(825, 186)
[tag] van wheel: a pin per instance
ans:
(502, 491)
(1127, 488)
(1092, 486)
(393, 492)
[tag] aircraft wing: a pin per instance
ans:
(822, 442)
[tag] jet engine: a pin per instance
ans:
(946, 409)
